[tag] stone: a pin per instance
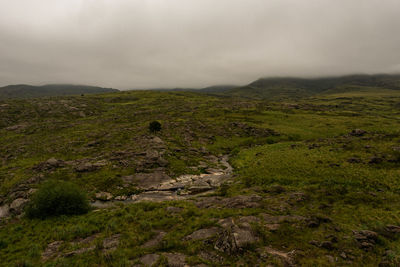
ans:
(17, 205)
(199, 187)
(4, 211)
(120, 198)
(211, 256)
(202, 234)
(158, 142)
(104, 196)
(51, 250)
(149, 259)
(85, 167)
(152, 154)
(237, 202)
(111, 243)
(148, 181)
(234, 238)
(53, 162)
(285, 257)
(176, 259)
(244, 237)
(155, 241)
(79, 251)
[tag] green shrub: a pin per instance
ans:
(154, 126)
(57, 198)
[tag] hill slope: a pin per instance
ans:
(30, 91)
(287, 87)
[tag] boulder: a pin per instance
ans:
(149, 259)
(17, 205)
(85, 167)
(155, 241)
(199, 186)
(111, 243)
(53, 162)
(104, 196)
(51, 250)
(4, 211)
(234, 238)
(202, 234)
(176, 259)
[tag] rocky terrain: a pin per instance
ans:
(226, 181)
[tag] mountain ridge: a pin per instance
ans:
(19, 91)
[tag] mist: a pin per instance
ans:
(191, 43)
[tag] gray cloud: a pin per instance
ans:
(193, 43)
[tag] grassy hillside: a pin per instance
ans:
(315, 181)
(30, 91)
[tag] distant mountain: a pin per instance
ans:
(30, 91)
(218, 88)
(288, 87)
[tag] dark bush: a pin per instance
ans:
(154, 126)
(57, 198)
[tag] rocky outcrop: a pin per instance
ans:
(366, 239)
(234, 237)
(158, 186)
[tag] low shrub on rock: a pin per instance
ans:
(56, 198)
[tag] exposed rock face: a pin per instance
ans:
(158, 186)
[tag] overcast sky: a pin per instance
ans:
(194, 43)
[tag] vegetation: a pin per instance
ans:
(321, 169)
(56, 198)
(154, 126)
